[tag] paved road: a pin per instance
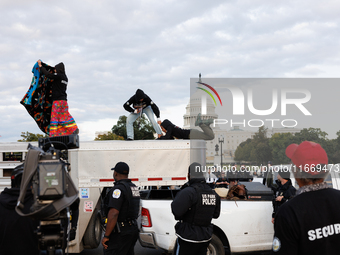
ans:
(139, 250)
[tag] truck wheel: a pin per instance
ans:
(215, 247)
(93, 233)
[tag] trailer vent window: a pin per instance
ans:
(12, 156)
(146, 219)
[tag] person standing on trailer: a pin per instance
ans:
(62, 123)
(138, 104)
(310, 222)
(194, 207)
(121, 229)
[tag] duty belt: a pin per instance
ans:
(122, 224)
(193, 224)
(127, 223)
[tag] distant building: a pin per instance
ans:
(271, 132)
(195, 107)
(231, 140)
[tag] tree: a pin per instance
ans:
(108, 136)
(30, 137)
(278, 144)
(333, 150)
(318, 136)
(143, 129)
(310, 134)
(261, 151)
(256, 149)
(243, 151)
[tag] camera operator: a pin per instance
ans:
(50, 206)
(16, 232)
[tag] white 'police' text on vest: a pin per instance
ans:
(208, 199)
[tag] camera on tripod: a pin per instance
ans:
(46, 170)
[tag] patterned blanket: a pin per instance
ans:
(38, 99)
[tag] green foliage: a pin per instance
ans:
(278, 144)
(261, 149)
(108, 136)
(310, 134)
(143, 129)
(255, 150)
(243, 151)
(30, 137)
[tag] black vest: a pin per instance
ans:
(130, 206)
(201, 213)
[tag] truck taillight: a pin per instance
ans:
(146, 219)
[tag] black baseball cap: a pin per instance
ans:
(121, 167)
(284, 172)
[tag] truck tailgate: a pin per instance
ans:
(162, 223)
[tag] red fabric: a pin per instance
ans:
(62, 123)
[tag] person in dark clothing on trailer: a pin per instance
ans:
(171, 131)
(138, 104)
(194, 207)
(62, 123)
(17, 234)
(121, 230)
(285, 190)
(310, 222)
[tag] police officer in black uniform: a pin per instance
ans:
(194, 207)
(310, 222)
(121, 230)
(284, 190)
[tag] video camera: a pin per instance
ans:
(46, 171)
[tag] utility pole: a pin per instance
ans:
(221, 140)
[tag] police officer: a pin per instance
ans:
(310, 222)
(194, 207)
(121, 230)
(285, 190)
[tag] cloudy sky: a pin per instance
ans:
(111, 48)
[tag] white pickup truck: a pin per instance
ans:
(243, 225)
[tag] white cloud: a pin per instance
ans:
(87, 128)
